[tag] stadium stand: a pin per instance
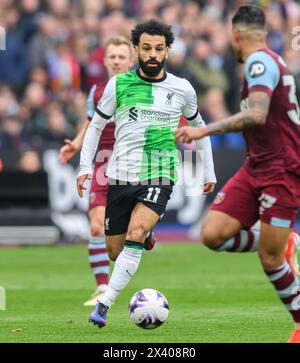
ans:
(54, 53)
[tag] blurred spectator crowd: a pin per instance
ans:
(54, 53)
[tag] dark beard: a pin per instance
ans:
(151, 71)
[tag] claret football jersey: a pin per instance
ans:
(276, 144)
(107, 139)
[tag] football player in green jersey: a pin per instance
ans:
(146, 104)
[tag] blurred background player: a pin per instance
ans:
(142, 168)
(267, 186)
(118, 58)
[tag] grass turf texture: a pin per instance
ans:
(213, 297)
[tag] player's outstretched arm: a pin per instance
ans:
(190, 111)
(204, 145)
(255, 115)
(88, 150)
(103, 112)
(71, 147)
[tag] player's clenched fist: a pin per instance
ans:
(187, 134)
(80, 183)
(208, 188)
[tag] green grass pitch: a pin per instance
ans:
(213, 297)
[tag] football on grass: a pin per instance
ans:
(148, 309)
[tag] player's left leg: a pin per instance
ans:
(272, 245)
(227, 226)
(150, 241)
(222, 232)
(245, 240)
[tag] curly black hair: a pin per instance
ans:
(152, 27)
(249, 15)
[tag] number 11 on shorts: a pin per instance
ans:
(153, 194)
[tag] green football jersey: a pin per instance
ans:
(146, 114)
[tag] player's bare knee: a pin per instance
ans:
(214, 233)
(97, 229)
(210, 237)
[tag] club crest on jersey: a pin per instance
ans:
(169, 98)
(219, 198)
(257, 69)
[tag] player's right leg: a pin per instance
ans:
(271, 252)
(117, 217)
(115, 245)
(127, 261)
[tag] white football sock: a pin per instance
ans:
(125, 267)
